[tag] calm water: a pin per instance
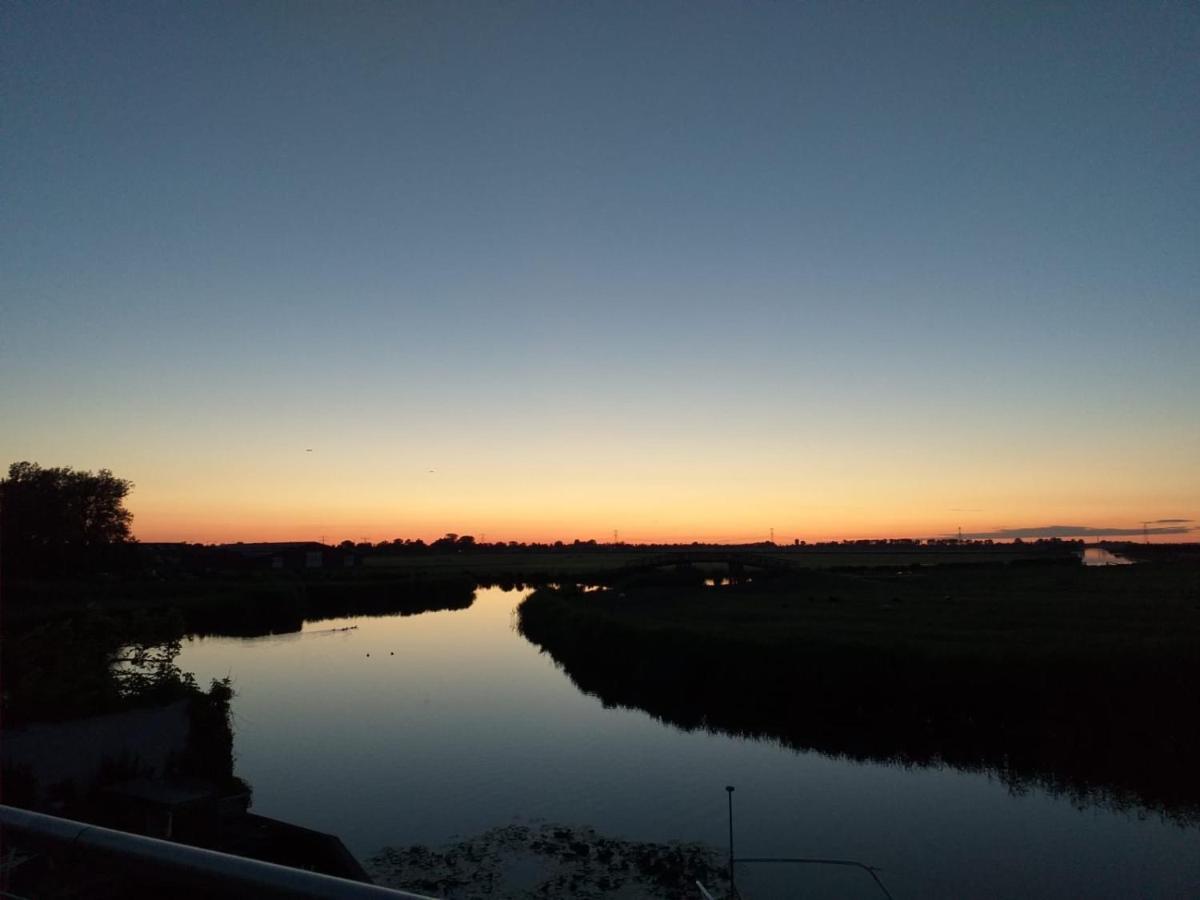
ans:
(1098, 556)
(467, 726)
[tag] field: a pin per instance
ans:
(1028, 610)
(587, 563)
(218, 583)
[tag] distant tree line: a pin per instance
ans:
(63, 521)
(456, 543)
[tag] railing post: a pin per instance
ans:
(732, 884)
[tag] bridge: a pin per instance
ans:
(736, 560)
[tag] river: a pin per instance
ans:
(1098, 556)
(430, 727)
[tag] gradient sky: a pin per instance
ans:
(686, 270)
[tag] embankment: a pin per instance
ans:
(1078, 681)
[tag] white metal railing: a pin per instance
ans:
(189, 864)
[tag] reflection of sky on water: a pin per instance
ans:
(1098, 556)
(455, 723)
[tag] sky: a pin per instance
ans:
(687, 271)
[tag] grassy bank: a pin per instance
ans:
(224, 585)
(241, 604)
(565, 564)
(1079, 679)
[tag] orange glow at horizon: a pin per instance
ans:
(673, 517)
(649, 480)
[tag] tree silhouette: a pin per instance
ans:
(61, 521)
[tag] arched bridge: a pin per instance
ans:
(735, 559)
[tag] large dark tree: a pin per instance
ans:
(61, 521)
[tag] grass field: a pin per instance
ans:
(1079, 679)
(590, 563)
(30, 600)
(1021, 610)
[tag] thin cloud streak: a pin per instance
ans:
(1072, 531)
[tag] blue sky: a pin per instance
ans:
(609, 243)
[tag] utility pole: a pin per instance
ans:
(615, 541)
(732, 885)
(772, 535)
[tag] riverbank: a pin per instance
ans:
(1078, 680)
(222, 592)
(242, 605)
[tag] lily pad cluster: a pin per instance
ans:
(515, 862)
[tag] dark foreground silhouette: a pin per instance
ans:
(101, 726)
(1078, 681)
(235, 607)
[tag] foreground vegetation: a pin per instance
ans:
(93, 664)
(1082, 680)
(518, 861)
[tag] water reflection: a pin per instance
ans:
(1098, 556)
(454, 724)
(274, 611)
